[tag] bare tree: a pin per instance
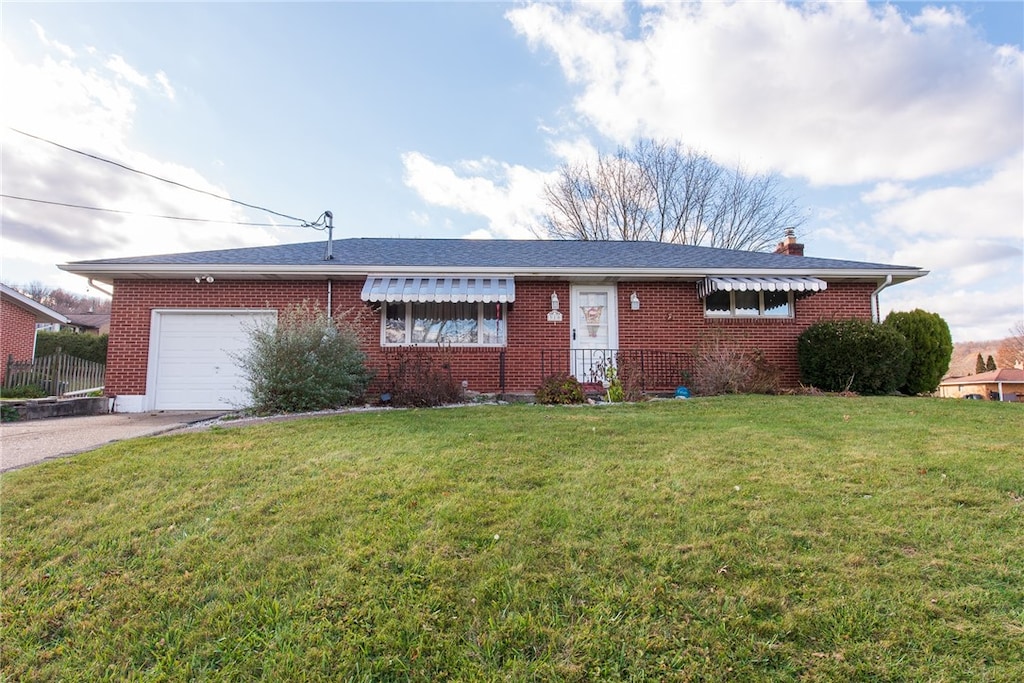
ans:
(1011, 351)
(665, 192)
(62, 300)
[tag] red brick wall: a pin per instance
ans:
(671, 318)
(134, 300)
(17, 334)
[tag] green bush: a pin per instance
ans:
(23, 391)
(931, 346)
(561, 389)
(86, 346)
(304, 362)
(853, 355)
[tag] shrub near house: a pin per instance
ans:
(853, 355)
(304, 362)
(931, 347)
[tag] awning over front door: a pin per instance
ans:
(801, 285)
(470, 288)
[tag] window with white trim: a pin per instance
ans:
(747, 304)
(448, 323)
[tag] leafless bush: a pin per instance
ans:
(421, 377)
(724, 368)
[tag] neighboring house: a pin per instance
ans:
(88, 323)
(18, 317)
(1004, 384)
(499, 314)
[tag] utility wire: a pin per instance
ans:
(154, 215)
(304, 222)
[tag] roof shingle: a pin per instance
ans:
(513, 255)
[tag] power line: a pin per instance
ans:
(153, 215)
(303, 221)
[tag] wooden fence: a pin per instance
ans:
(58, 374)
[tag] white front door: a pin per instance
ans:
(595, 330)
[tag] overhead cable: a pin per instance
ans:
(154, 215)
(303, 221)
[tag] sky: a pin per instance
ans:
(898, 128)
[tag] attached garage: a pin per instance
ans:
(192, 358)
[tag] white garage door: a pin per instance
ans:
(192, 358)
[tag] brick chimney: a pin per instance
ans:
(789, 246)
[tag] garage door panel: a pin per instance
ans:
(195, 363)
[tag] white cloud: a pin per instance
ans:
(971, 313)
(835, 93)
(510, 197)
(79, 104)
(120, 67)
(577, 150)
(885, 192)
(165, 85)
(966, 261)
(420, 218)
(992, 207)
(50, 43)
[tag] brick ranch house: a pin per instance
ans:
(503, 313)
(18, 317)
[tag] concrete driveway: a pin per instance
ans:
(32, 441)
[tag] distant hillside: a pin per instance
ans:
(965, 356)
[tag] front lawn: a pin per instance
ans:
(733, 538)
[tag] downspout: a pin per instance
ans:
(330, 311)
(96, 286)
(875, 315)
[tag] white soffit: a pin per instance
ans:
(807, 285)
(458, 288)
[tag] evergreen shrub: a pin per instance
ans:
(80, 345)
(853, 355)
(931, 346)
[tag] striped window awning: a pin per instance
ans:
(458, 288)
(801, 285)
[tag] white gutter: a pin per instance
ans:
(875, 315)
(246, 271)
(96, 286)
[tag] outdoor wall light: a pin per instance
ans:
(554, 315)
(634, 302)
(204, 278)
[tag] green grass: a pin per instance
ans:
(735, 538)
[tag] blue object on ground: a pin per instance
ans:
(682, 392)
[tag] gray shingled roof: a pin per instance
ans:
(511, 255)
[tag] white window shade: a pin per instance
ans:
(800, 285)
(458, 288)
